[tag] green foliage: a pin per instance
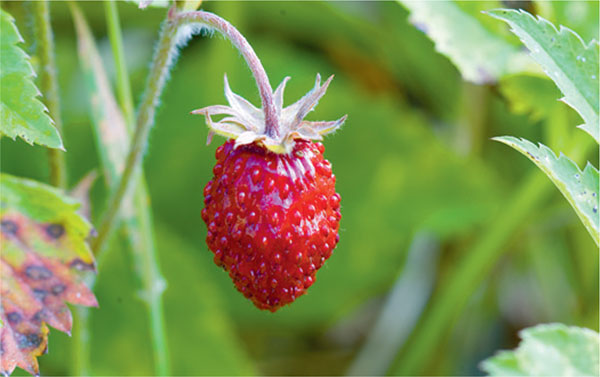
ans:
(565, 58)
(574, 68)
(549, 350)
(530, 94)
(455, 33)
(44, 261)
(21, 113)
(415, 155)
(579, 187)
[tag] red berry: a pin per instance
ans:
(273, 219)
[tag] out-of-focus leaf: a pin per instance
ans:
(44, 262)
(549, 350)
(579, 187)
(21, 112)
(530, 94)
(358, 41)
(479, 55)
(81, 193)
(111, 133)
(189, 5)
(564, 56)
(143, 4)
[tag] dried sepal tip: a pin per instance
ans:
(245, 123)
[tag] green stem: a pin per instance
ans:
(138, 225)
(452, 296)
(116, 42)
(80, 347)
(163, 57)
(49, 87)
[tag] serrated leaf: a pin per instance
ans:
(549, 350)
(579, 187)
(44, 262)
(21, 112)
(455, 34)
(581, 16)
(565, 58)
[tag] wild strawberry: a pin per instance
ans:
(271, 208)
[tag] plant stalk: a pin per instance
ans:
(164, 55)
(116, 41)
(137, 222)
(49, 87)
(237, 39)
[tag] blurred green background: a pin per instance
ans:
(421, 184)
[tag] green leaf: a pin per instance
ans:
(44, 262)
(563, 55)
(581, 16)
(21, 112)
(480, 56)
(579, 187)
(549, 350)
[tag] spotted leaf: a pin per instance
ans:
(43, 264)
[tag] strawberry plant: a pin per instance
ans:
(411, 241)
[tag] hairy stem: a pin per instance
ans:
(116, 42)
(49, 87)
(237, 39)
(164, 55)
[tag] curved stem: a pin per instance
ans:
(238, 40)
(49, 86)
(163, 57)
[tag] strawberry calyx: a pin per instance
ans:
(246, 124)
